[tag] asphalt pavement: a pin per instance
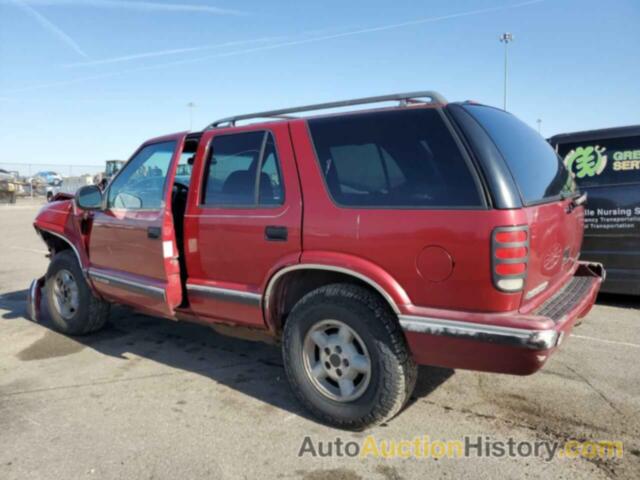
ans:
(148, 398)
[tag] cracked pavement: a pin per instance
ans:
(150, 398)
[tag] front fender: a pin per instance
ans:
(58, 220)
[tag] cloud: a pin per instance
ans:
(134, 5)
(49, 26)
(275, 46)
(349, 33)
(173, 51)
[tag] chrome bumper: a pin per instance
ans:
(516, 337)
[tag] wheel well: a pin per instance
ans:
(55, 244)
(291, 287)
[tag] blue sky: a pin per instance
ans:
(82, 81)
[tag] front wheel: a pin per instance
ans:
(73, 308)
(346, 358)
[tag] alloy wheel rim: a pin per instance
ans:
(65, 294)
(336, 360)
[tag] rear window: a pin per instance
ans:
(231, 171)
(612, 161)
(402, 158)
(535, 166)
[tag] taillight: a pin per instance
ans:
(509, 256)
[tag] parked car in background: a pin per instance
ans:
(50, 178)
(51, 191)
(606, 165)
(69, 185)
(366, 241)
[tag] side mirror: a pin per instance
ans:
(89, 197)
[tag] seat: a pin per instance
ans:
(239, 188)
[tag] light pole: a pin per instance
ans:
(191, 106)
(505, 38)
(539, 122)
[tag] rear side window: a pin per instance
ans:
(536, 168)
(613, 161)
(401, 158)
(230, 173)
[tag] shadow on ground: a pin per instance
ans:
(616, 300)
(254, 368)
(15, 304)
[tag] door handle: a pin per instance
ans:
(275, 233)
(154, 232)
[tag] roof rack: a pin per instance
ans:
(403, 98)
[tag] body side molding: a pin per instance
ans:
(226, 294)
(126, 284)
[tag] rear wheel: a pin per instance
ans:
(346, 358)
(74, 310)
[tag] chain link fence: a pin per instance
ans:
(27, 170)
(20, 181)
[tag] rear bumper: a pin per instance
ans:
(512, 343)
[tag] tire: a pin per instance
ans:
(84, 315)
(377, 395)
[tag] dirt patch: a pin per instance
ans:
(50, 345)
(388, 472)
(333, 474)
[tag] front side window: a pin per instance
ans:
(231, 171)
(402, 158)
(141, 185)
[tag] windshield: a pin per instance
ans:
(535, 166)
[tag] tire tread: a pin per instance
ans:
(397, 363)
(97, 311)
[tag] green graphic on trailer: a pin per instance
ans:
(586, 161)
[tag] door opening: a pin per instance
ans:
(179, 196)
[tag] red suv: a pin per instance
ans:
(366, 241)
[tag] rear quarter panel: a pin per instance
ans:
(393, 240)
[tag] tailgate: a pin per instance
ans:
(555, 231)
(549, 200)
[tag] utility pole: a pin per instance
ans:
(191, 106)
(505, 38)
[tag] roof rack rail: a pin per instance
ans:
(403, 98)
